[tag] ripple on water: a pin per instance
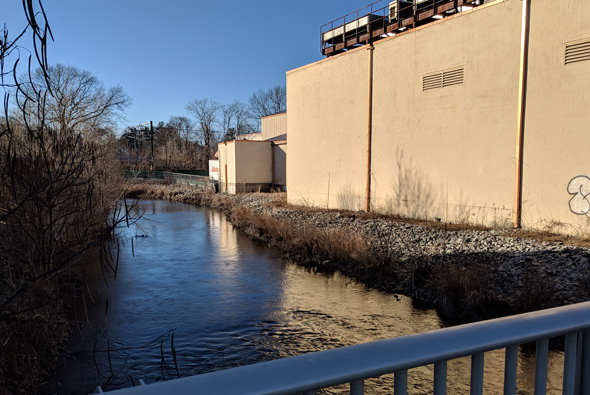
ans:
(230, 302)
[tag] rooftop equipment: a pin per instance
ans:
(385, 18)
(350, 29)
(406, 8)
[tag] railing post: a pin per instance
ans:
(400, 384)
(569, 363)
(357, 387)
(510, 370)
(477, 361)
(541, 359)
(582, 386)
(586, 364)
(440, 378)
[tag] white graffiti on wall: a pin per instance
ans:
(579, 187)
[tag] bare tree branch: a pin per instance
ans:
(206, 112)
(268, 102)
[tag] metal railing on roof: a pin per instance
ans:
(311, 372)
(385, 18)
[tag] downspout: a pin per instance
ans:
(272, 177)
(522, 90)
(371, 48)
(226, 177)
(225, 143)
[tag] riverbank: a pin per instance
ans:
(466, 273)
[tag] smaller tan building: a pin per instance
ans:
(248, 165)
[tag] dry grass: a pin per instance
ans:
(313, 246)
(464, 293)
(57, 197)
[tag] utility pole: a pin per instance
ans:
(152, 139)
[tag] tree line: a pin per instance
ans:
(184, 143)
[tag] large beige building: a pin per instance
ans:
(256, 162)
(442, 105)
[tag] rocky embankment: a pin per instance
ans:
(466, 273)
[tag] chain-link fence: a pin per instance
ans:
(201, 182)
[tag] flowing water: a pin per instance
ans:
(193, 295)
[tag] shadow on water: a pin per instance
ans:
(194, 295)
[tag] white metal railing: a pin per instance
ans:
(311, 372)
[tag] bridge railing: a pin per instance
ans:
(310, 372)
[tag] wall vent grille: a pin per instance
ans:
(432, 81)
(443, 79)
(577, 52)
(453, 77)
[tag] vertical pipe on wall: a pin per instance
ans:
(226, 177)
(369, 128)
(272, 176)
(522, 87)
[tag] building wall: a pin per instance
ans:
(327, 107)
(247, 165)
(273, 126)
(557, 118)
(214, 169)
(253, 162)
(448, 152)
(445, 152)
(227, 167)
(280, 166)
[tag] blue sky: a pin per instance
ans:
(164, 53)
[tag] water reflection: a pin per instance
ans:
(229, 302)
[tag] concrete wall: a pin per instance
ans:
(253, 162)
(227, 167)
(557, 118)
(273, 126)
(445, 153)
(245, 166)
(280, 167)
(327, 107)
(450, 152)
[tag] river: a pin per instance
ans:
(193, 295)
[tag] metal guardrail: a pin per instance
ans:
(311, 372)
(201, 182)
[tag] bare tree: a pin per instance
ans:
(168, 146)
(236, 120)
(184, 127)
(268, 102)
(206, 112)
(79, 102)
(58, 193)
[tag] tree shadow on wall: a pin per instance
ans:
(413, 195)
(348, 200)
